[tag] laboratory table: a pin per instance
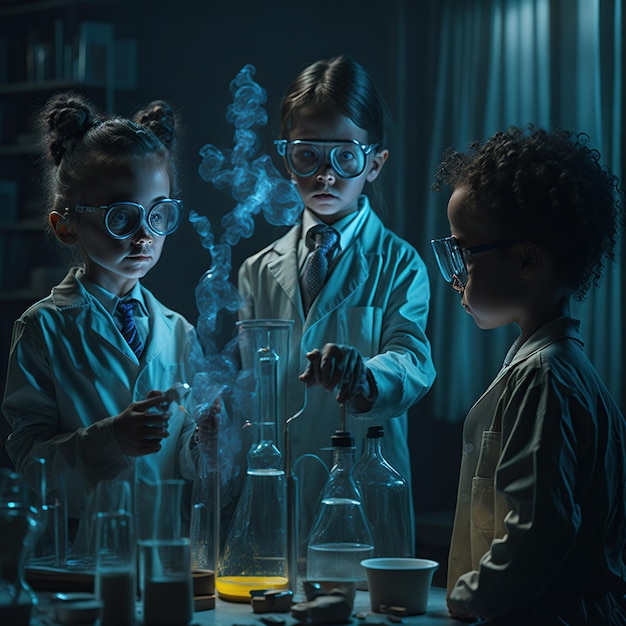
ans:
(230, 613)
(235, 614)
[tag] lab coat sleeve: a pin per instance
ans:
(31, 409)
(536, 473)
(403, 369)
(244, 282)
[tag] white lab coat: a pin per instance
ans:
(71, 370)
(375, 299)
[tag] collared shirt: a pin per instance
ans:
(347, 227)
(110, 302)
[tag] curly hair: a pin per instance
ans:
(551, 188)
(79, 144)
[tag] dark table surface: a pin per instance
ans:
(231, 613)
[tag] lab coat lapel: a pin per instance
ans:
(284, 269)
(71, 296)
(346, 277)
(160, 328)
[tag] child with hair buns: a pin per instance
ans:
(90, 363)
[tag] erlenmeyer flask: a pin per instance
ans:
(255, 554)
(340, 538)
(385, 495)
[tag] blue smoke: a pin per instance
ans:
(254, 181)
(257, 187)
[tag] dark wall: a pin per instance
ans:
(190, 50)
(189, 53)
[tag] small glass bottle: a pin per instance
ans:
(340, 537)
(386, 499)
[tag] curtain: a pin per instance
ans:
(497, 63)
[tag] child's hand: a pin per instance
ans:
(208, 424)
(140, 431)
(341, 366)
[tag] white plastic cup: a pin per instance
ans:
(399, 582)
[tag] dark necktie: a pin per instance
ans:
(129, 330)
(316, 269)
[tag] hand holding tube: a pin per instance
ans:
(342, 367)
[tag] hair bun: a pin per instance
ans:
(159, 118)
(67, 117)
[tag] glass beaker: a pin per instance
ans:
(255, 553)
(385, 495)
(17, 522)
(340, 537)
(274, 334)
(49, 543)
(115, 576)
(165, 560)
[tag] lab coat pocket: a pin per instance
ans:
(483, 517)
(483, 483)
(360, 327)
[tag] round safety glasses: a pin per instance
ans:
(451, 257)
(304, 158)
(123, 219)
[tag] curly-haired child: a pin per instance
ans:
(540, 524)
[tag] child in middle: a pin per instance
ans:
(358, 294)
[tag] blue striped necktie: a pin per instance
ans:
(129, 330)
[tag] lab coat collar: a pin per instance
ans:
(555, 330)
(71, 294)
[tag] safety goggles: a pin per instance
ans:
(123, 219)
(305, 158)
(451, 257)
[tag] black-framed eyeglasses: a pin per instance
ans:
(123, 219)
(451, 257)
(304, 158)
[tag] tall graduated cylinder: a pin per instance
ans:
(255, 552)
